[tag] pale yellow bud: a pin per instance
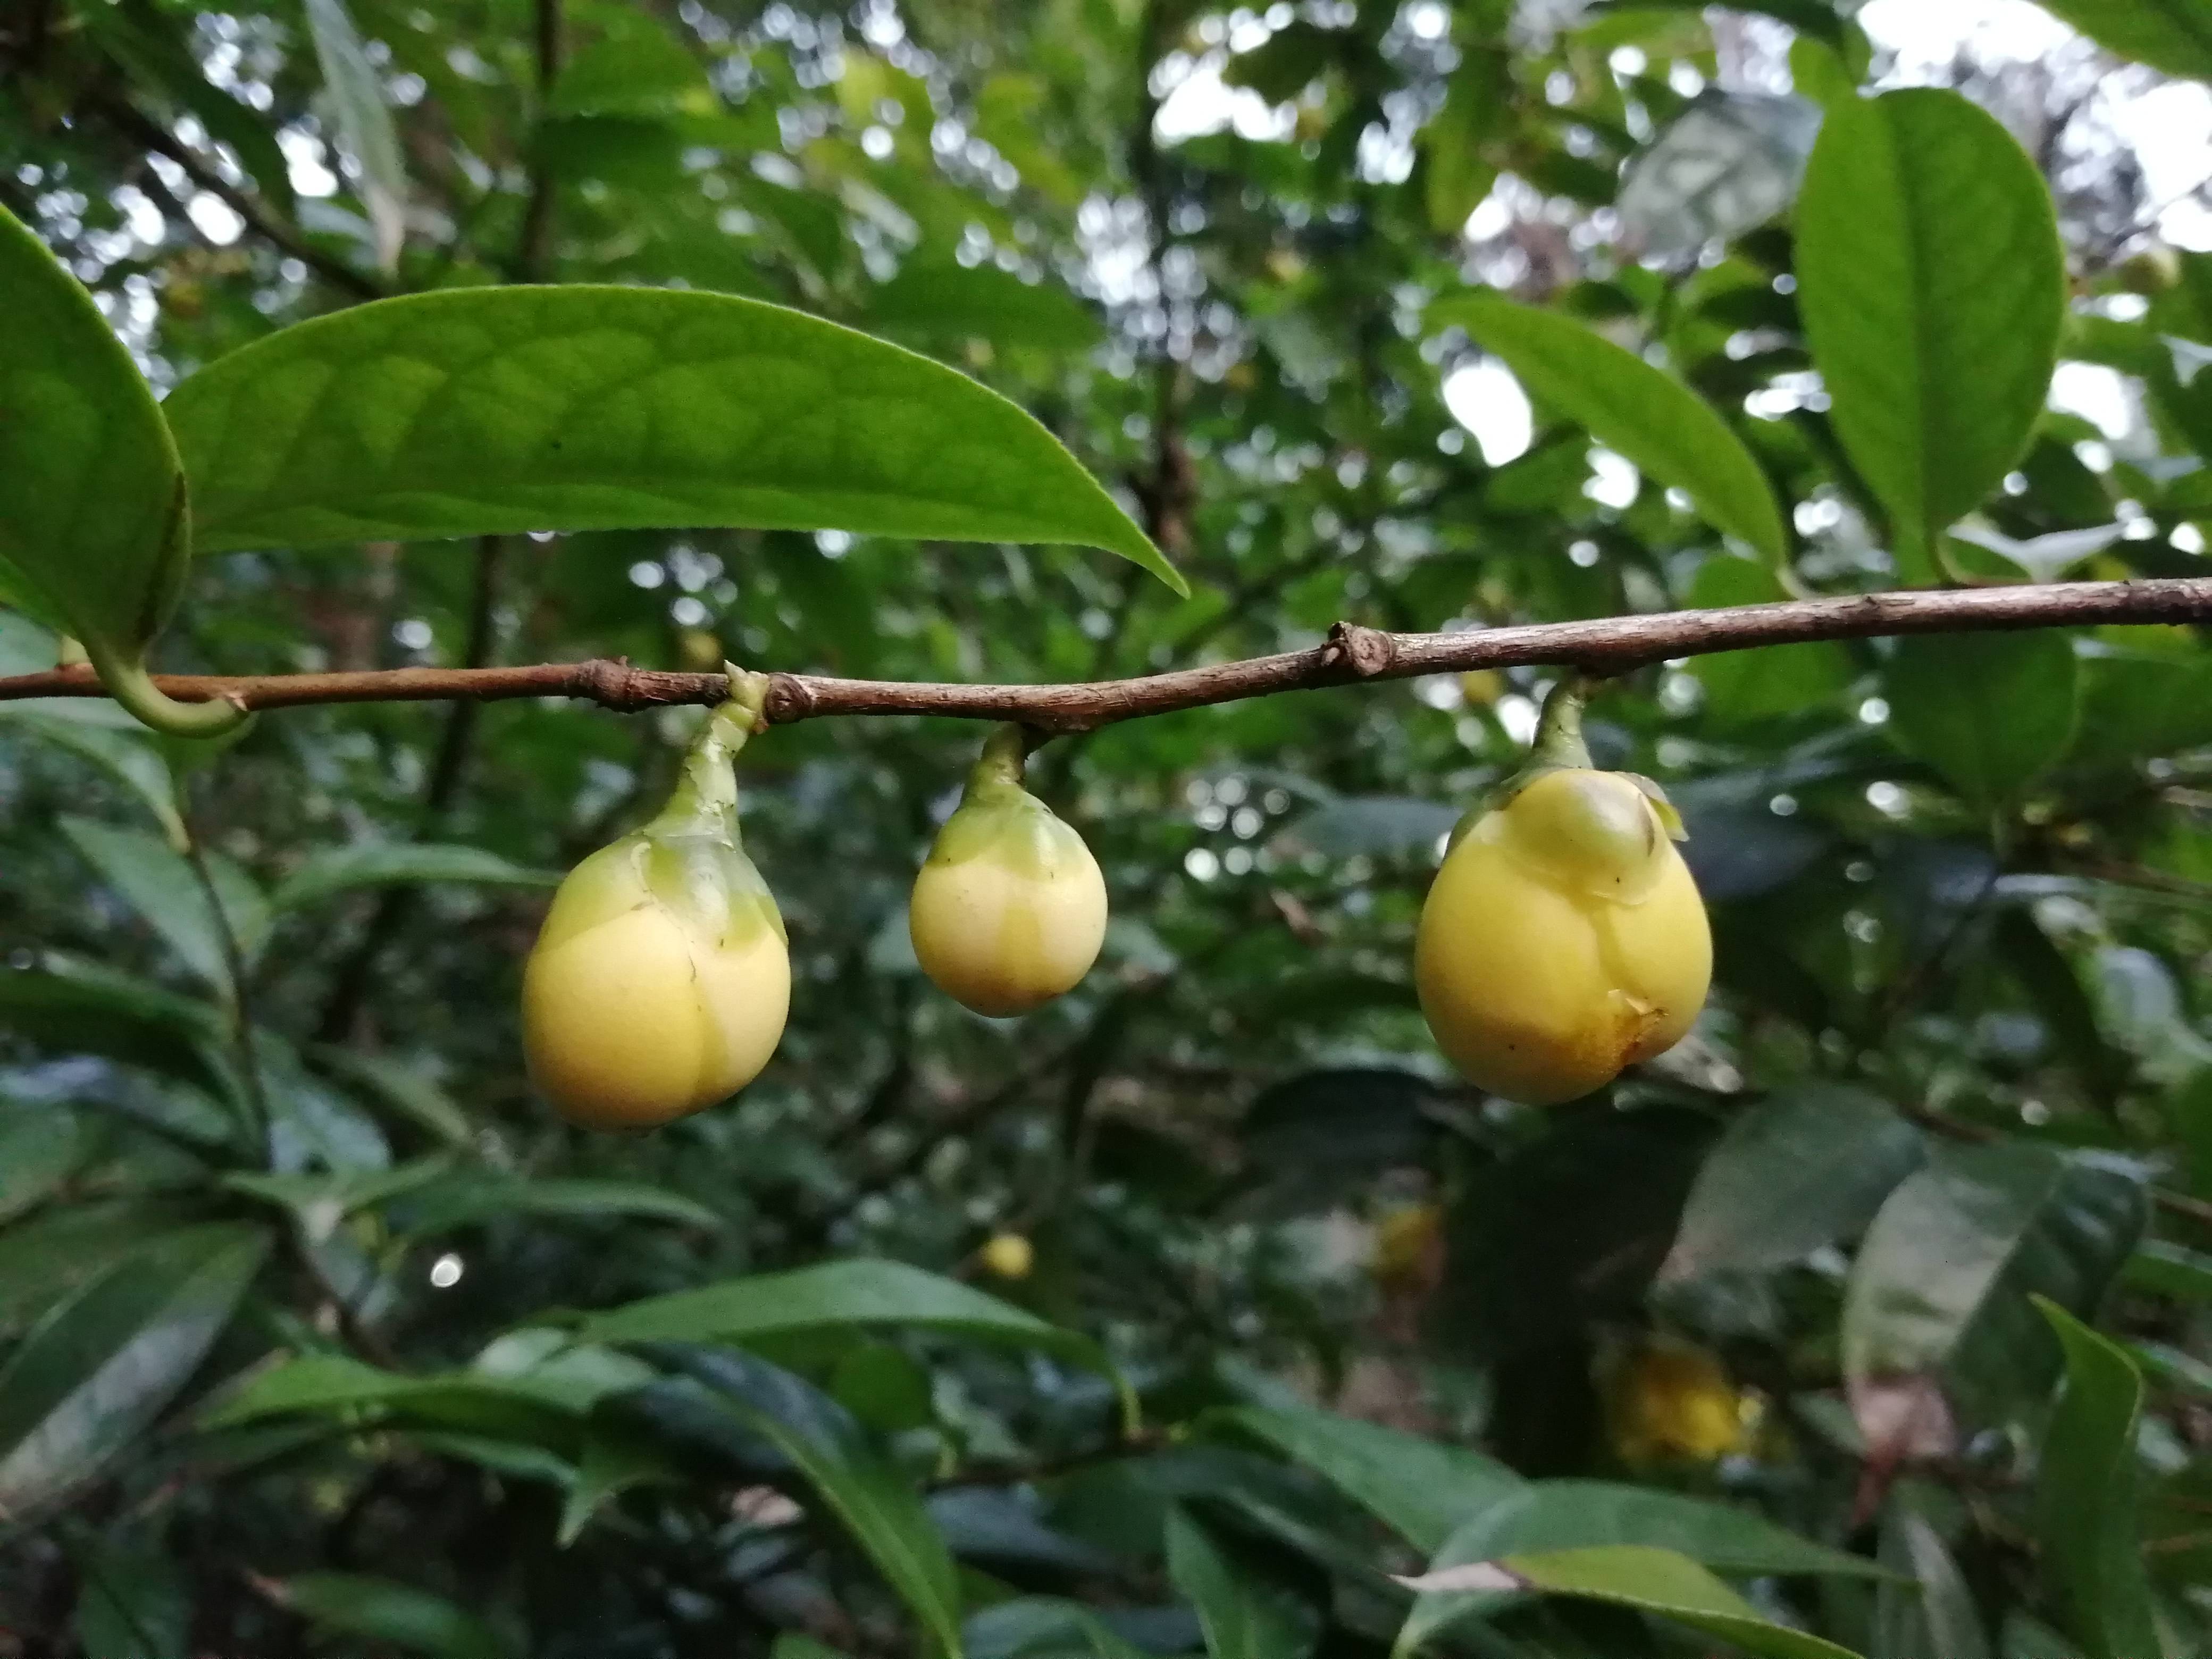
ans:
(1010, 910)
(1564, 940)
(1009, 1255)
(637, 1009)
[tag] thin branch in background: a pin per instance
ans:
(263, 220)
(1351, 654)
(532, 257)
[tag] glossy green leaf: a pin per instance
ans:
(1807, 1168)
(1040, 1626)
(1244, 1615)
(160, 885)
(2170, 1269)
(613, 1462)
(400, 1087)
(1990, 711)
(1778, 680)
(392, 1614)
(579, 408)
(1560, 1515)
(40, 1146)
(48, 1256)
(103, 1365)
(859, 1293)
(1938, 1292)
(125, 755)
(1931, 1609)
(2086, 1497)
(80, 1009)
(92, 514)
(2173, 35)
(1658, 1582)
(341, 870)
(1667, 430)
(1419, 1488)
(1932, 287)
(870, 1498)
(355, 93)
(132, 1601)
(465, 1197)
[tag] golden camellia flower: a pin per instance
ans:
(1010, 910)
(1563, 938)
(660, 980)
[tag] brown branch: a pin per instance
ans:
(1606, 645)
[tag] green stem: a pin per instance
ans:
(130, 685)
(705, 798)
(998, 771)
(1559, 741)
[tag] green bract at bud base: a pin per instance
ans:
(661, 979)
(1010, 910)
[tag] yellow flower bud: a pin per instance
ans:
(1669, 1401)
(636, 1010)
(1563, 938)
(1009, 1255)
(1010, 910)
(660, 980)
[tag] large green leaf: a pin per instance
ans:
(1938, 1295)
(1805, 1169)
(341, 869)
(92, 516)
(579, 408)
(2173, 35)
(1932, 287)
(52, 1254)
(1244, 1614)
(1669, 432)
(41, 1147)
(158, 883)
(870, 1498)
(1562, 1515)
(391, 1614)
(840, 1293)
(1989, 711)
(1659, 1582)
(1419, 1488)
(101, 1365)
(2086, 1497)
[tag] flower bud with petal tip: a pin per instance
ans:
(1564, 939)
(660, 980)
(1010, 910)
